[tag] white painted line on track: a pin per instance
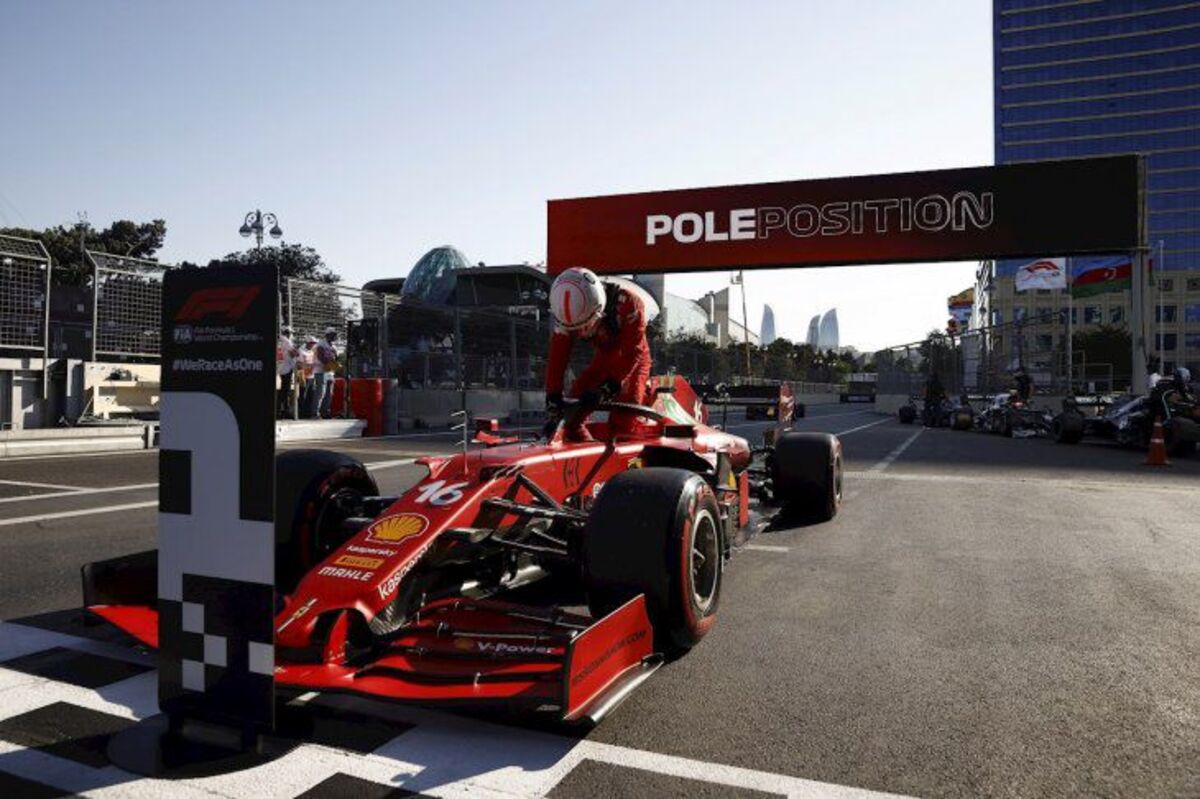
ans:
(440, 754)
(1008, 479)
(862, 427)
(832, 415)
(83, 492)
(80, 492)
(390, 464)
(27, 484)
(765, 548)
(74, 455)
(891, 456)
(66, 514)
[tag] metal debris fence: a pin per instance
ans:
(127, 306)
(24, 294)
(984, 360)
(423, 346)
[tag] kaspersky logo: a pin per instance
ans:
(229, 302)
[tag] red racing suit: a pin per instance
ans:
(620, 352)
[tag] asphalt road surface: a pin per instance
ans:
(986, 616)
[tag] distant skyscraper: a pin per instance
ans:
(827, 335)
(814, 330)
(767, 333)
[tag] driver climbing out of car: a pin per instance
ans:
(612, 318)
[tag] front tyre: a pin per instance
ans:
(1067, 428)
(315, 491)
(657, 532)
(807, 474)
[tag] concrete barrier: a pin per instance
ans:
(75, 440)
(432, 407)
(819, 399)
(318, 429)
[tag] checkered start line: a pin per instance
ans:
(63, 696)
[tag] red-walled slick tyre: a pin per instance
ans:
(657, 532)
(314, 490)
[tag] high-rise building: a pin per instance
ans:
(1079, 78)
(827, 335)
(767, 332)
(814, 331)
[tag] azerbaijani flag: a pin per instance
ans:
(1101, 275)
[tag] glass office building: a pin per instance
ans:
(1098, 77)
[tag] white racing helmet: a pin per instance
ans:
(576, 299)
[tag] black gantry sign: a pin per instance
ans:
(216, 496)
(1087, 205)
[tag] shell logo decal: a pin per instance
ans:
(395, 529)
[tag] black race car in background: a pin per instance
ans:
(1129, 419)
(1009, 415)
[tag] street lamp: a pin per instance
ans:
(256, 222)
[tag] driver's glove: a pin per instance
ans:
(554, 413)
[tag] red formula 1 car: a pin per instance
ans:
(540, 575)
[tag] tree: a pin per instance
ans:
(937, 353)
(122, 237)
(293, 260)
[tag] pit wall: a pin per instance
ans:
(415, 408)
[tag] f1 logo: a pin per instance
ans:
(231, 302)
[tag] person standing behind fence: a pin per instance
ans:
(285, 366)
(323, 371)
(305, 363)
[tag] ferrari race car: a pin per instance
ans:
(542, 575)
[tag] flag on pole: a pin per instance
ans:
(961, 305)
(1102, 275)
(1044, 273)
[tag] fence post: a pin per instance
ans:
(512, 353)
(95, 305)
(458, 356)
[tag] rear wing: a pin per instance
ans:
(770, 402)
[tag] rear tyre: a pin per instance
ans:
(1067, 428)
(315, 491)
(807, 474)
(963, 420)
(657, 532)
(907, 414)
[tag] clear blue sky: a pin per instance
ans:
(378, 130)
